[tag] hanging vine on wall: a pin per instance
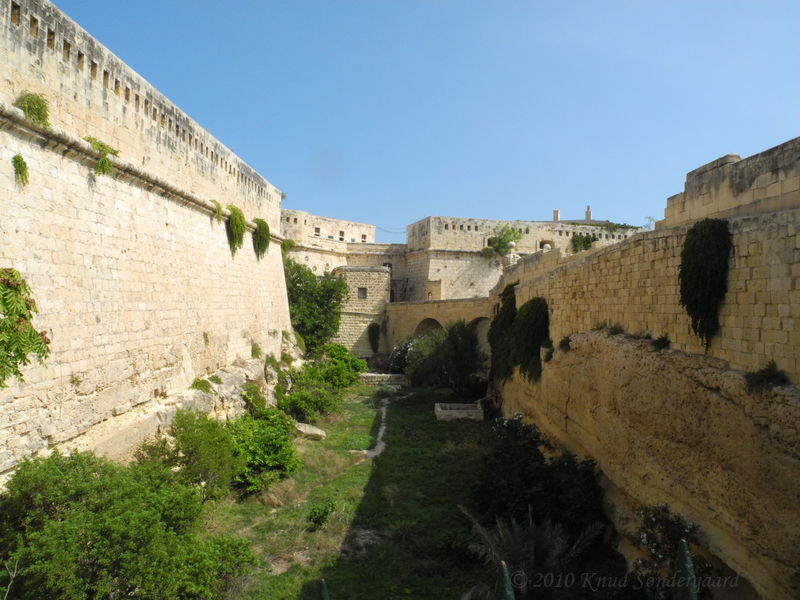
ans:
(531, 330)
(235, 227)
(703, 275)
(103, 166)
(218, 211)
(260, 238)
(500, 334)
(20, 170)
(35, 107)
(18, 338)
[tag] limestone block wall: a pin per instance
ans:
(368, 295)
(299, 225)
(454, 233)
(134, 279)
(635, 283)
(93, 93)
(731, 186)
(666, 427)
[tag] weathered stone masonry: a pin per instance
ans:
(134, 279)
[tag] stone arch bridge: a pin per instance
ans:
(407, 319)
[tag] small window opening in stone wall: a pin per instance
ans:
(163, 120)
(316, 231)
(155, 114)
(461, 227)
(117, 87)
(136, 101)
(362, 293)
(476, 228)
(560, 233)
(469, 227)
(295, 219)
(446, 226)
(527, 230)
(127, 94)
(363, 238)
(341, 236)
(81, 60)
(51, 39)
(105, 78)
(33, 29)
(66, 49)
(93, 70)
(14, 13)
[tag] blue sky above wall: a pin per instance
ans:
(389, 111)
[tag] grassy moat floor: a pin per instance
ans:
(396, 531)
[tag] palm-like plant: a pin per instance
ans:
(527, 549)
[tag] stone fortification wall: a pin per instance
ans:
(449, 274)
(299, 225)
(403, 318)
(666, 427)
(368, 294)
(453, 233)
(731, 186)
(134, 280)
(93, 93)
(635, 283)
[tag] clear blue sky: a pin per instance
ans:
(386, 111)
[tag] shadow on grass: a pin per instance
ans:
(408, 540)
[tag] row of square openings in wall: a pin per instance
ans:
(608, 236)
(150, 108)
(317, 233)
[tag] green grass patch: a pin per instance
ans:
(394, 530)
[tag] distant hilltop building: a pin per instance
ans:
(444, 258)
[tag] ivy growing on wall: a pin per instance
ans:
(531, 330)
(18, 338)
(218, 211)
(374, 335)
(35, 107)
(500, 334)
(703, 274)
(20, 170)
(103, 166)
(260, 238)
(235, 227)
(582, 241)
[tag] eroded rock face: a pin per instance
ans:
(679, 429)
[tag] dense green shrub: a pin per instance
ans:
(531, 330)
(503, 359)
(582, 241)
(517, 480)
(35, 107)
(498, 243)
(260, 238)
(218, 216)
(81, 527)
(21, 175)
(448, 357)
(374, 335)
(265, 445)
(703, 274)
(764, 378)
(306, 404)
(254, 399)
(337, 367)
(235, 227)
(18, 338)
(202, 448)
(315, 303)
(398, 358)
